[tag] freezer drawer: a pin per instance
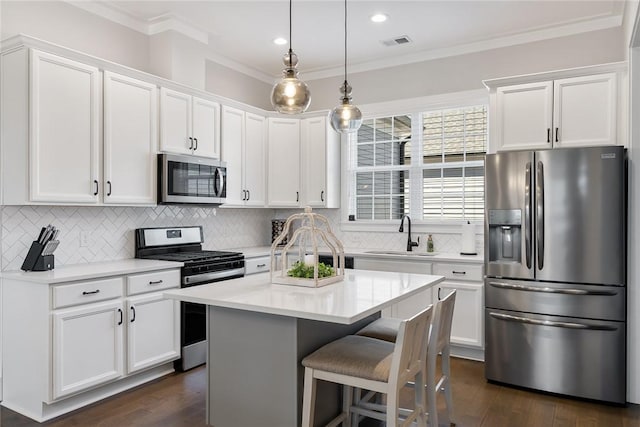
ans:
(572, 300)
(575, 357)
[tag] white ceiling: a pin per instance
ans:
(240, 33)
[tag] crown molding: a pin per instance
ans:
(164, 23)
(568, 29)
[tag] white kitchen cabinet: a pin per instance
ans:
(320, 163)
(64, 125)
(244, 151)
(189, 124)
(153, 331)
(130, 140)
(284, 163)
(467, 329)
(87, 346)
(566, 108)
(88, 338)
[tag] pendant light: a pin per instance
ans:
(290, 95)
(346, 117)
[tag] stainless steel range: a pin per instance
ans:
(184, 244)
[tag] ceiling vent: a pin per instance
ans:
(397, 41)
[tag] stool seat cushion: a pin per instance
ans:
(385, 328)
(355, 356)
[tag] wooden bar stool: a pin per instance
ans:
(438, 343)
(371, 364)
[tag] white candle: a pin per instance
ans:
(309, 259)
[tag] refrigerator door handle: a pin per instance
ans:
(540, 214)
(527, 214)
(550, 290)
(569, 325)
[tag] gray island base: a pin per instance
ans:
(259, 333)
(255, 371)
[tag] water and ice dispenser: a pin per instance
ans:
(505, 236)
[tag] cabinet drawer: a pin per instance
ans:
(459, 271)
(149, 282)
(257, 265)
(86, 292)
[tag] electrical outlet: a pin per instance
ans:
(84, 239)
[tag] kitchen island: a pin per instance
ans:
(259, 332)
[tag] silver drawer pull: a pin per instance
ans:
(156, 282)
(459, 272)
(569, 325)
(97, 291)
(261, 265)
(550, 290)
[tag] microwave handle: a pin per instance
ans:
(219, 182)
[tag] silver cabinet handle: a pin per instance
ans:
(540, 214)
(527, 214)
(569, 325)
(155, 282)
(550, 290)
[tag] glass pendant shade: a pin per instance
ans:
(346, 117)
(290, 95)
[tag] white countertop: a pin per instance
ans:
(94, 270)
(258, 251)
(361, 294)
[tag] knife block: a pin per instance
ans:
(35, 261)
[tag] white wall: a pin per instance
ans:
(224, 81)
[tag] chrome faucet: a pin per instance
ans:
(410, 244)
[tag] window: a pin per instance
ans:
(439, 177)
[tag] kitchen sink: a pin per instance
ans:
(401, 253)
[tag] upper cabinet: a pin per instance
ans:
(284, 163)
(188, 124)
(320, 163)
(565, 110)
(64, 115)
(130, 140)
(244, 150)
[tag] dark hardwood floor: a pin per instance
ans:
(178, 400)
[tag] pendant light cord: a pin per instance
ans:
(345, 46)
(290, 25)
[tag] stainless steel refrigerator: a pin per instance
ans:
(555, 262)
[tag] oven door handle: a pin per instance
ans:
(207, 277)
(569, 325)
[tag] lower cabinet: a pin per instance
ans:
(85, 340)
(466, 328)
(261, 264)
(87, 346)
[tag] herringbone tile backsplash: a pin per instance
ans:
(110, 230)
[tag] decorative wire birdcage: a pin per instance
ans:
(314, 229)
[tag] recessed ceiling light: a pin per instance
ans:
(379, 17)
(280, 41)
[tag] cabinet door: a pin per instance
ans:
(314, 173)
(206, 128)
(254, 165)
(153, 331)
(232, 139)
(284, 162)
(64, 139)
(585, 111)
(467, 328)
(175, 122)
(524, 113)
(87, 347)
(130, 140)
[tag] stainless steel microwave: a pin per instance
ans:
(185, 179)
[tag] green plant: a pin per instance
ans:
(303, 270)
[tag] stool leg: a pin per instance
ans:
(419, 400)
(432, 393)
(347, 400)
(446, 384)
(309, 398)
(393, 405)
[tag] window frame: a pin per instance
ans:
(414, 107)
